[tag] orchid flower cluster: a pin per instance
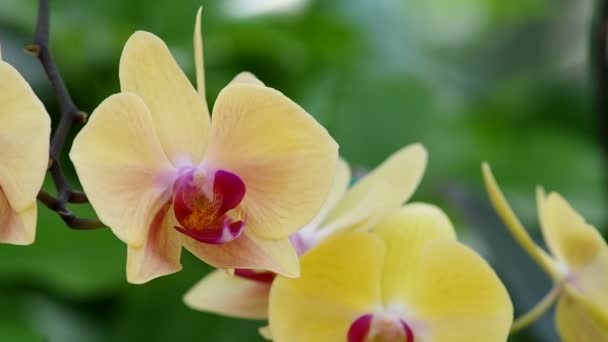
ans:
(255, 187)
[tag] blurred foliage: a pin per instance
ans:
(502, 81)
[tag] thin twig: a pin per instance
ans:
(69, 115)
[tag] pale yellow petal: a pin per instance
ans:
(250, 252)
(160, 254)
(340, 281)
(247, 78)
(179, 113)
(25, 129)
(577, 321)
(577, 245)
(266, 333)
(230, 296)
(592, 281)
(459, 297)
(384, 189)
(570, 239)
(122, 166)
(340, 184)
(17, 228)
(286, 159)
(517, 230)
(338, 189)
(406, 233)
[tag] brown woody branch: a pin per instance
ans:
(69, 115)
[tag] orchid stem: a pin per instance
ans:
(513, 224)
(538, 310)
(69, 115)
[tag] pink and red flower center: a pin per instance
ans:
(206, 214)
(379, 328)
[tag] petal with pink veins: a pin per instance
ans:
(178, 112)
(283, 155)
(122, 166)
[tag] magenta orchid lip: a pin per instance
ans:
(369, 326)
(203, 217)
(259, 276)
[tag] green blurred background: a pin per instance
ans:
(504, 81)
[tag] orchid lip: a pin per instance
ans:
(208, 218)
(386, 327)
(359, 329)
(259, 276)
(215, 235)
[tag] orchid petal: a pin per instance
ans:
(25, 128)
(311, 231)
(246, 77)
(286, 159)
(266, 333)
(339, 187)
(250, 252)
(578, 246)
(160, 255)
(339, 282)
(459, 298)
(179, 113)
(578, 320)
(122, 166)
(592, 281)
(384, 189)
(571, 240)
(17, 228)
(314, 232)
(406, 233)
(220, 293)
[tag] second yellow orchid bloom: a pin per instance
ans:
(578, 263)
(410, 280)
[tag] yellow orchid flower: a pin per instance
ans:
(163, 175)
(410, 280)
(578, 264)
(357, 209)
(25, 129)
